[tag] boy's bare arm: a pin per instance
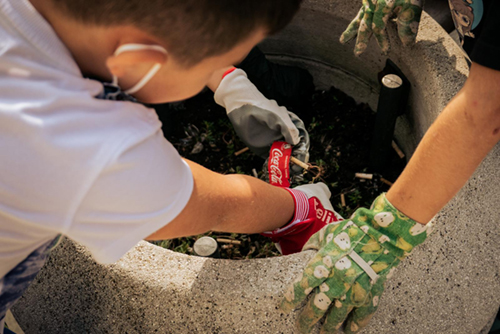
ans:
(453, 147)
(230, 203)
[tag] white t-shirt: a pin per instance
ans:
(99, 172)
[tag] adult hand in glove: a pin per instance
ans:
(355, 257)
(372, 19)
(313, 211)
(260, 122)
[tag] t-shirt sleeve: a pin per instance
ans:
(486, 51)
(138, 193)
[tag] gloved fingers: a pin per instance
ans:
(383, 41)
(299, 124)
(330, 269)
(408, 21)
(361, 316)
(342, 273)
(336, 316)
(365, 28)
(284, 124)
(290, 134)
(259, 128)
(360, 290)
(314, 310)
(300, 152)
(255, 123)
(318, 270)
(383, 11)
(304, 142)
(315, 273)
(352, 29)
(355, 297)
(326, 297)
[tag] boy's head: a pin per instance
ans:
(200, 37)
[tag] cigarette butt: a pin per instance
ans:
(254, 172)
(364, 176)
(398, 150)
(243, 150)
(342, 199)
(299, 163)
(389, 183)
(228, 241)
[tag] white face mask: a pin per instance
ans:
(152, 72)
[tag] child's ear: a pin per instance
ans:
(119, 64)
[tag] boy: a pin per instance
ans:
(82, 160)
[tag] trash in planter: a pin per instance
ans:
(340, 146)
(397, 149)
(339, 149)
(243, 150)
(365, 176)
(206, 247)
(198, 147)
(308, 167)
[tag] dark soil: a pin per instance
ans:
(340, 132)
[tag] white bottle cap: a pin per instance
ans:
(205, 246)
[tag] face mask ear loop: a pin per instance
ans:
(115, 81)
(152, 72)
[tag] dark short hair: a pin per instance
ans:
(192, 29)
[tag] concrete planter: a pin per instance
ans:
(448, 285)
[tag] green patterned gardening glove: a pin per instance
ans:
(372, 19)
(355, 257)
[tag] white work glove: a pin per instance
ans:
(260, 122)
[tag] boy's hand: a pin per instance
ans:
(259, 122)
(313, 211)
(355, 257)
(372, 19)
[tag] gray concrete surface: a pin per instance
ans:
(448, 285)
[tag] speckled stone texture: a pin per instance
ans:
(450, 284)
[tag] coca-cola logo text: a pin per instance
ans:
(276, 176)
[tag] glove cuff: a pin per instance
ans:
(309, 217)
(291, 237)
(228, 72)
(391, 227)
(301, 212)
